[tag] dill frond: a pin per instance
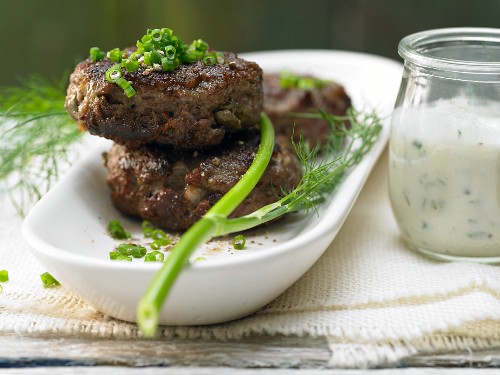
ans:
(352, 136)
(35, 138)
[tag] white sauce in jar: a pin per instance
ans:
(444, 178)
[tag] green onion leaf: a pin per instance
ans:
(126, 86)
(292, 81)
(4, 276)
(239, 242)
(147, 228)
(146, 39)
(209, 59)
(156, 34)
(147, 224)
(96, 54)
(113, 255)
(113, 73)
(124, 248)
(48, 280)
(115, 55)
(170, 52)
(116, 230)
(123, 257)
(158, 233)
(155, 57)
(154, 256)
(157, 46)
(138, 251)
(147, 58)
(191, 56)
(167, 65)
(157, 244)
(220, 57)
(166, 31)
(130, 65)
(199, 45)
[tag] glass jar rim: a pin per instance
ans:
(415, 48)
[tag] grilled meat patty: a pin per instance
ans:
(279, 102)
(190, 108)
(174, 189)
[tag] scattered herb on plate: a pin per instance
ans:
(4, 276)
(48, 280)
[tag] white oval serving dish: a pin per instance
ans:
(66, 229)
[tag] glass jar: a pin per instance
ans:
(444, 163)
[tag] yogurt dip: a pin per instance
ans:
(444, 177)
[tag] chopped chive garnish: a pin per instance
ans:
(157, 234)
(210, 59)
(199, 259)
(126, 251)
(292, 81)
(48, 280)
(130, 65)
(154, 256)
(96, 54)
(115, 55)
(113, 255)
(4, 276)
(147, 228)
(123, 257)
(116, 230)
(220, 57)
(124, 248)
(129, 249)
(138, 251)
(158, 47)
(1, 289)
(113, 73)
(147, 224)
(239, 242)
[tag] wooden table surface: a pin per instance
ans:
(262, 355)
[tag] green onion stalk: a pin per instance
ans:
(323, 170)
(150, 304)
(321, 174)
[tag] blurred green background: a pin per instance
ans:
(50, 36)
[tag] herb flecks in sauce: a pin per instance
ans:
(439, 164)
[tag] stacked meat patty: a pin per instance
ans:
(280, 102)
(192, 107)
(183, 140)
(174, 189)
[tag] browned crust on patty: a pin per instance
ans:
(174, 190)
(191, 108)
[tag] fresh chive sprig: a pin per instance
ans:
(150, 304)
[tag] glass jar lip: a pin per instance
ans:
(413, 48)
